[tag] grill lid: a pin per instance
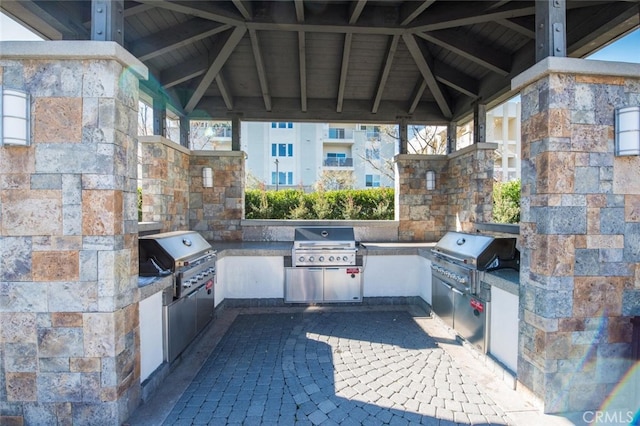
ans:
(319, 237)
(172, 250)
(473, 250)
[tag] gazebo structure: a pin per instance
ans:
(69, 342)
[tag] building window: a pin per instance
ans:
(282, 125)
(372, 181)
(284, 178)
(373, 153)
(372, 132)
(282, 150)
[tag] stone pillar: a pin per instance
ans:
(165, 183)
(217, 212)
(69, 339)
(579, 235)
(462, 197)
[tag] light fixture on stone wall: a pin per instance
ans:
(207, 177)
(431, 180)
(627, 131)
(15, 117)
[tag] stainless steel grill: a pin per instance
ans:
(188, 305)
(458, 296)
(324, 246)
(324, 266)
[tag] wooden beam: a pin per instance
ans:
(518, 27)
(299, 10)
(472, 13)
(346, 53)
(260, 68)
(178, 36)
(221, 57)
(135, 9)
(245, 8)
(455, 79)
(202, 9)
(355, 10)
(224, 92)
(418, 91)
(471, 49)
(412, 9)
(386, 69)
(302, 59)
(182, 72)
(40, 23)
(422, 58)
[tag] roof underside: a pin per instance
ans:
(352, 61)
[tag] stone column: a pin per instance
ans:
(462, 196)
(217, 212)
(69, 340)
(579, 235)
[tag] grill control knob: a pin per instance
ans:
(345, 258)
(331, 258)
(311, 258)
(301, 259)
(321, 258)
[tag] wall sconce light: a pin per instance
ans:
(15, 117)
(627, 131)
(207, 177)
(431, 180)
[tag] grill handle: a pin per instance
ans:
(455, 290)
(447, 256)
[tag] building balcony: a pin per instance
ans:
(339, 135)
(338, 162)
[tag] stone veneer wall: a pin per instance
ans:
(580, 235)
(217, 212)
(462, 197)
(165, 183)
(69, 336)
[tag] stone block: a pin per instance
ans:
(554, 304)
(46, 181)
(56, 266)
(57, 120)
(73, 297)
(554, 255)
(102, 212)
(619, 329)
(98, 335)
(66, 319)
(60, 342)
(625, 175)
(53, 365)
(26, 213)
(587, 262)
(610, 255)
(18, 327)
(632, 242)
(88, 265)
(22, 297)
(72, 219)
(92, 413)
(631, 303)
(587, 180)
(612, 220)
(15, 259)
(20, 386)
(59, 387)
(632, 208)
(562, 220)
(41, 414)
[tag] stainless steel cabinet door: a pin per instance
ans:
(204, 296)
(303, 284)
(442, 300)
(342, 285)
(470, 319)
(180, 319)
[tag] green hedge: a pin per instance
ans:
(354, 204)
(506, 201)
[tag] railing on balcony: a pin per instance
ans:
(338, 162)
(339, 133)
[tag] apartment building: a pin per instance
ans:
(298, 155)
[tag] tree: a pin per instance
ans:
(205, 134)
(335, 179)
(145, 119)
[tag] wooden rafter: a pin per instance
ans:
(344, 69)
(386, 69)
(260, 68)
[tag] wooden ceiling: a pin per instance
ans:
(351, 61)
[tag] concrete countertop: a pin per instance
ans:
(283, 248)
(148, 286)
(505, 279)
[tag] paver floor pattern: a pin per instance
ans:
(346, 368)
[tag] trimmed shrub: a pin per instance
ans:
(355, 204)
